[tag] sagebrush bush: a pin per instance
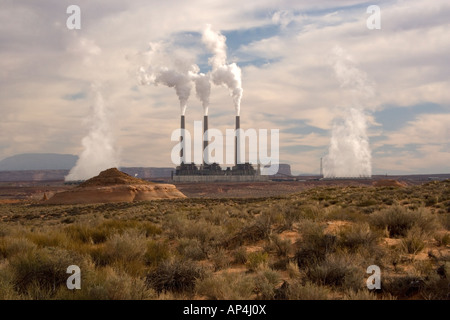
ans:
(442, 239)
(42, 271)
(336, 271)
(365, 294)
(192, 249)
(414, 241)
(128, 246)
(7, 291)
(256, 260)
(10, 246)
(220, 259)
(296, 290)
(175, 276)
(108, 283)
(404, 286)
(100, 232)
(240, 256)
(156, 252)
(314, 246)
(398, 220)
(266, 281)
(227, 286)
(282, 247)
(357, 236)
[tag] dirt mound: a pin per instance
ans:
(113, 185)
(388, 183)
(112, 177)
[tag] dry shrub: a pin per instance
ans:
(126, 247)
(365, 294)
(156, 253)
(108, 283)
(9, 247)
(192, 249)
(414, 241)
(337, 271)
(357, 236)
(314, 246)
(240, 256)
(398, 220)
(100, 232)
(41, 272)
(7, 291)
(282, 247)
(296, 290)
(220, 259)
(175, 276)
(256, 260)
(227, 286)
(266, 281)
(47, 238)
(442, 239)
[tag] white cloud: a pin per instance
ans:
(41, 63)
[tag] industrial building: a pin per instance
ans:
(212, 172)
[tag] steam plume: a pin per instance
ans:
(203, 89)
(349, 152)
(222, 73)
(174, 73)
(98, 152)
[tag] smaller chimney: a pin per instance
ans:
(182, 139)
(237, 141)
(205, 139)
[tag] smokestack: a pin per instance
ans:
(237, 142)
(205, 139)
(182, 140)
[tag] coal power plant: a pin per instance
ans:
(210, 172)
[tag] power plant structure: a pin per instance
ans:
(212, 172)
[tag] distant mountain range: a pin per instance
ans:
(38, 161)
(53, 166)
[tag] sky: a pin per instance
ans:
(285, 52)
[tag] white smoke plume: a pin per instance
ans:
(222, 73)
(203, 89)
(168, 70)
(98, 152)
(349, 152)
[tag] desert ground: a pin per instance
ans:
(285, 240)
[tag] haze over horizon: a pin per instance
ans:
(283, 49)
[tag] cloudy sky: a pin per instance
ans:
(284, 48)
